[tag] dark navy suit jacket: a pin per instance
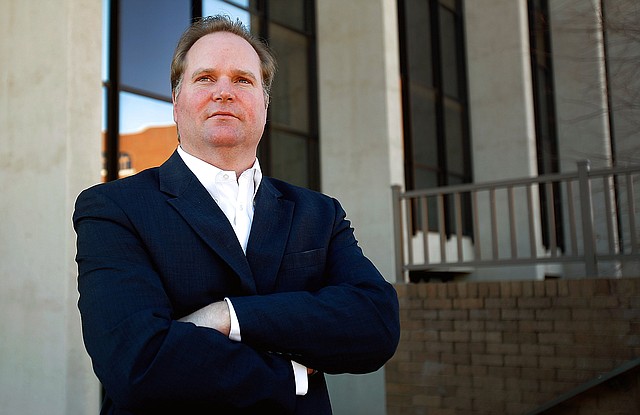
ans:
(155, 247)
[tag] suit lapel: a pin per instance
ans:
(196, 206)
(269, 235)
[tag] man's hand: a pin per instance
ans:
(215, 316)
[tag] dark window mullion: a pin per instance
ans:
(113, 94)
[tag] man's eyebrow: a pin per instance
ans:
(236, 72)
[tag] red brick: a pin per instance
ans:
(520, 337)
(517, 314)
(424, 335)
(505, 289)
(438, 324)
(455, 315)
(556, 338)
(519, 383)
(438, 304)
(484, 314)
(500, 303)
(535, 302)
(618, 327)
(557, 362)
(601, 287)
(516, 288)
(422, 314)
(469, 325)
(527, 289)
(439, 347)
(535, 326)
(487, 336)
(589, 327)
(468, 303)
(555, 387)
(452, 291)
(537, 350)
(570, 302)
(426, 401)
(551, 288)
(487, 360)
(460, 403)
(604, 302)
(539, 289)
(441, 288)
(455, 336)
(572, 375)
(412, 324)
(471, 370)
(503, 348)
(540, 374)
(572, 326)
(505, 326)
(455, 359)
(521, 361)
(553, 314)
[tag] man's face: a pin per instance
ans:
(221, 107)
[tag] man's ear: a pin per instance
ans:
(173, 101)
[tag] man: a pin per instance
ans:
(207, 288)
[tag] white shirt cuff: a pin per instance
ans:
(301, 378)
(234, 332)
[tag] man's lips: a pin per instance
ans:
(223, 114)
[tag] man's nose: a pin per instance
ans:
(223, 90)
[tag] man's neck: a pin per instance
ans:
(225, 161)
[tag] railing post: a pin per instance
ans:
(397, 232)
(586, 212)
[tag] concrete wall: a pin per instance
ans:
(50, 108)
(361, 117)
(361, 145)
(501, 112)
(508, 347)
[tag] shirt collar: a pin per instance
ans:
(207, 173)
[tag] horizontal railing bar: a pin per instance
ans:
(558, 177)
(503, 228)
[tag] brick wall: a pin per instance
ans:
(507, 347)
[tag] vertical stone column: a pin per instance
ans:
(502, 114)
(50, 110)
(582, 107)
(361, 145)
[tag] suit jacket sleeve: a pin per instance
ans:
(141, 354)
(334, 312)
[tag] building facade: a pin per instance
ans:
(419, 93)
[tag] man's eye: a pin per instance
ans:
(244, 81)
(204, 79)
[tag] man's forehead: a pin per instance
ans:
(226, 42)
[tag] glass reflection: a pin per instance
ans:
(213, 7)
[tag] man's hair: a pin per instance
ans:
(212, 24)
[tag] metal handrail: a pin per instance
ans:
(601, 223)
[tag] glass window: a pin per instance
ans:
(290, 92)
(545, 117)
(423, 128)
(289, 157)
(214, 7)
(418, 42)
(138, 113)
(289, 13)
(454, 133)
(437, 144)
(449, 49)
(148, 38)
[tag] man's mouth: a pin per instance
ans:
(223, 114)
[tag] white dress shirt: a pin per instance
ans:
(235, 198)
